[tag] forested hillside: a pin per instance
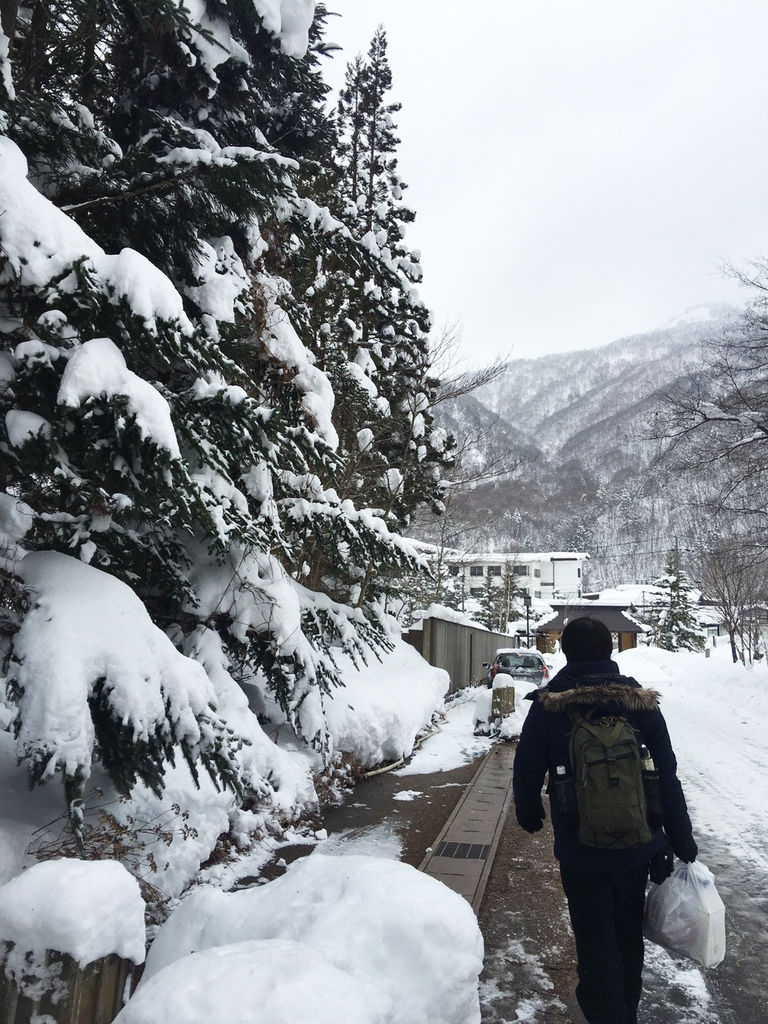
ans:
(581, 425)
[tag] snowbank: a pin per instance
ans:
(383, 923)
(376, 718)
(716, 712)
(267, 982)
(88, 909)
(384, 704)
(712, 684)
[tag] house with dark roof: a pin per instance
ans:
(624, 628)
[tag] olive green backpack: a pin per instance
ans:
(607, 767)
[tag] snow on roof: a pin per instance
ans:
(638, 594)
(442, 611)
(608, 599)
(709, 615)
(615, 618)
(470, 558)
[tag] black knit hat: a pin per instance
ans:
(586, 639)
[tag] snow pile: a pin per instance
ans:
(384, 704)
(508, 727)
(88, 909)
(261, 982)
(384, 924)
(393, 701)
(455, 744)
(87, 628)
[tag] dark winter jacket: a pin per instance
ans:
(544, 743)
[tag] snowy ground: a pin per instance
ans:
(717, 714)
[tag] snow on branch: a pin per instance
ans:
(97, 368)
(90, 669)
(289, 21)
(41, 243)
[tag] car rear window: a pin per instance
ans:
(513, 661)
(518, 661)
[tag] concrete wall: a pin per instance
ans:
(460, 650)
(565, 577)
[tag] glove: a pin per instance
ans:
(661, 864)
(531, 821)
(686, 849)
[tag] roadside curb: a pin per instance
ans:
(462, 854)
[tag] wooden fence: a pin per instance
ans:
(459, 649)
(78, 995)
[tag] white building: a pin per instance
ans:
(540, 574)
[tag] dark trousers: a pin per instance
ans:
(607, 917)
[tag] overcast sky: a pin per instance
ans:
(580, 171)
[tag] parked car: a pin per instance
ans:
(520, 663)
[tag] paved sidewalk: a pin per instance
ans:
(462, 854)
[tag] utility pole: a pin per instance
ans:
(527, 603)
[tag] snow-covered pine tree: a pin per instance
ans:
(382, 320)
(163, 421)
(492, 606)
(672, 620)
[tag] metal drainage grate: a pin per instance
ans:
(463, 851)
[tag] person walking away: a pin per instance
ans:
(605, 849)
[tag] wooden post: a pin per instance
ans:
(502, 701)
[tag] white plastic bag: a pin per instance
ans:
(685, 914)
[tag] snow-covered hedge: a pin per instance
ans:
(373, 940)
(384, 705)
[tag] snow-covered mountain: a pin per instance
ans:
(585, 420)
(573, 402)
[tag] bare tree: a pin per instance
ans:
(716, 422)
(447, 361)
(732, 573)
(478, 460)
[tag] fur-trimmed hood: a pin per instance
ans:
(616, 690)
